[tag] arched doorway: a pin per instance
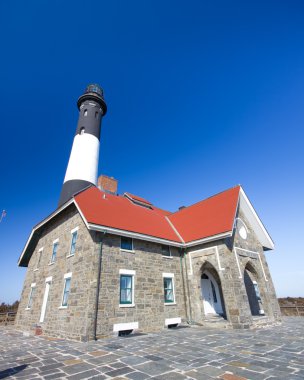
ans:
(252, 289)
(211, 294)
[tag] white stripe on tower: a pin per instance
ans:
(83, 162)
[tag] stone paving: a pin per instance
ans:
(195, 353)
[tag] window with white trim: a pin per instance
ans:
(31, 296)
(73, 241)
(66, 289)
(39, 258)
(126, 243)
(126, 291)
(168, 281)
(54, 252)
(165, 250)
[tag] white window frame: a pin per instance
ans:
(65, 277)
(127, 250)
(39, 258)
(131, 273)
(72, 232)
(33, 286)
(170, 253)
(169, 275)
(56, 241)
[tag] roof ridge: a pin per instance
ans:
(203, 200)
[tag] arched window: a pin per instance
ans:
(85, 113)
(82, 129)
(96, 114)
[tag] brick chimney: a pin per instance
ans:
(107, 184)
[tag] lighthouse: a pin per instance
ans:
(82, 168)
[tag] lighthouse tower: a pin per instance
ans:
(82, 168)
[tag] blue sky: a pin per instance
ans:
(202, 95)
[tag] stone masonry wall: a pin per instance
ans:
(259, 264)
(68, 322)
(76, 321)
(227, 266)
(149, 265)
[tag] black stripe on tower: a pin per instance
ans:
(71, 188)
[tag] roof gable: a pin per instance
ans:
(255, 222)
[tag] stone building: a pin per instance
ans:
(104, 263)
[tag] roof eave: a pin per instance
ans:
(21, 263)
(262, 233)
(222, 235)
(136, 235)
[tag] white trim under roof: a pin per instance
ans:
(209, 238)
(135, 235)
(255, 221)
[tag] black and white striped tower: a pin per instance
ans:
(82, 168)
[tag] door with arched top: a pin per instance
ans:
(210, 294)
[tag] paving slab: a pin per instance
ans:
(194, 353)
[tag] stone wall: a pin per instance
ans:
(147, 261)
(76, 321)
(68, 322)
(226, 260)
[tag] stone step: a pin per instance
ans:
(216, 321)
(261, 322)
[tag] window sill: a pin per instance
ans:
(69, 256)
(35, 270)
(169, 303)
(167, 257)
(62, 307)
(127, 305)
(27, 308)
(127, 250)
(52, 263)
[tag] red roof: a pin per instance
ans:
(212, 216)
(118, 212)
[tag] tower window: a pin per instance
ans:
(96, 115)
(85, 113)
(82, 129)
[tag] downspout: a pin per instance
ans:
(98, 286)
(181, 256)
(191, 322)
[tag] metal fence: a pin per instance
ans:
(7, 318)
(292, 310)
